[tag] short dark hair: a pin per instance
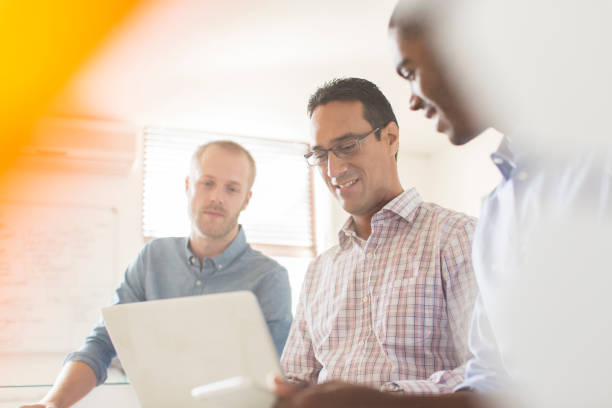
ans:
(376, 108)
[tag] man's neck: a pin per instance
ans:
(363, 225)
(363, 222)
(206, 247)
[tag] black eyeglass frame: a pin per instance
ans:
(334, 149)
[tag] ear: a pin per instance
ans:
(391, 137)
(247, 200)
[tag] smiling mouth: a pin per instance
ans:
(346, 184)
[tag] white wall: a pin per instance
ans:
(461, 176)
(86, 187)
(81, 187)
(456, 177)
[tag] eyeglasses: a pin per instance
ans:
(343, 150)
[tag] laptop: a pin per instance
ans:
(168, 347)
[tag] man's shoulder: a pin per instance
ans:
(451, 225)
(164, 245)
(167, 242)
(257, 260)
(446, 216)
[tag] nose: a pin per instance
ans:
(335, 166)
(416, 103)
(216, 195)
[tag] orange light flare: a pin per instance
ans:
(43, 43)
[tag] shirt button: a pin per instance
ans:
(523, 175)
(365, 299)
(199, 283)
(192, 259)
(361, 343)
(220, 266)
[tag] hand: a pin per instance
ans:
(283, 388)
(333, 394)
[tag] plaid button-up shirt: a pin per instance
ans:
(391, 311)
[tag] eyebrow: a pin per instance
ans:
(338, 139)
(233, 182)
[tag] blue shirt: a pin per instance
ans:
(167, 268)
(538, 234)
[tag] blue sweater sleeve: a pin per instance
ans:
(97, 350)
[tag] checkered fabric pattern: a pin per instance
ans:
(391, 311)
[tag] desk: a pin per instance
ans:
(116, 395)
(26, 378)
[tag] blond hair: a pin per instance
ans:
(230, 147)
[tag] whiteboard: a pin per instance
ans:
(57, 269)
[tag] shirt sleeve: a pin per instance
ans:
(460, 291)
(485, 370)
(459, 283)
(440, 382)
(97, 350)
(298, 362)
(274, 296)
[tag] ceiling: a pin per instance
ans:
(240, 67)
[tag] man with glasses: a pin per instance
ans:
(390, 305)
(541, 328)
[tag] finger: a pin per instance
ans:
(282, 388)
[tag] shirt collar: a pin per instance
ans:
(233, 251)
(347, 232)
(404, 205)
(503, 158)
